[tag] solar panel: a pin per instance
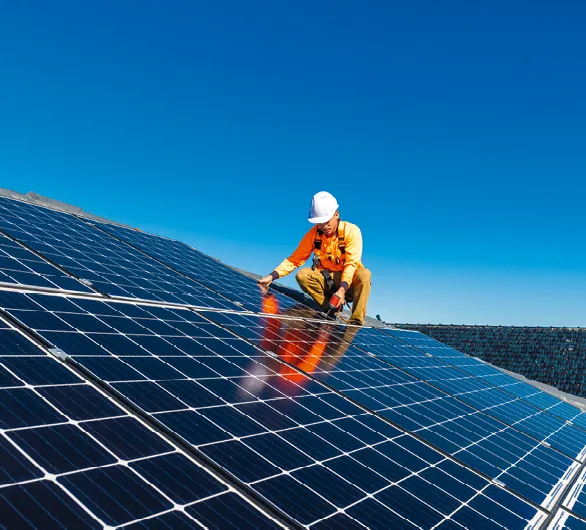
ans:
(497, 450)
(503, 396)
(554, 356)
(20, 266)
(196, 265)
(111, 266)
(478, 393)
(70, 457)
(492, 375)
(317, 457)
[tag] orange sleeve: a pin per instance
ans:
(353, 255)
(299, 257)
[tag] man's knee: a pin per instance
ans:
(305, 277)
(363, 275)
(302, 275)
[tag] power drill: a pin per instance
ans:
(334, 303)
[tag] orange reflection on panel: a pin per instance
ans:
(289, 342)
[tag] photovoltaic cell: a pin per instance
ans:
(313, 454)
(208, 271)
(70, 457)
(111, 266)
(567, 521)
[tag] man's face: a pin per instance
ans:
(330, 227)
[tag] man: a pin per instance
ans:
(338, 246)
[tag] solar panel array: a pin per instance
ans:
(108, 265)
(146, 385)
(197, 266)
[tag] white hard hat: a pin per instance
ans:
(323, 207)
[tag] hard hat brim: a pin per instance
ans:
(317, 220)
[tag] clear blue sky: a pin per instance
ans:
(453, 133)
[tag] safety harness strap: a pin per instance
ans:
(330, 286)
(329, 281)
(317, 242)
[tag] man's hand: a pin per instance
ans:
(266, 281)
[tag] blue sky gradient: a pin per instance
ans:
(451, 132)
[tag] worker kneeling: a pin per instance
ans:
(337, 269)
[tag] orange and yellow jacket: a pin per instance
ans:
(330, 256)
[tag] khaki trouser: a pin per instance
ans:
(314, 284)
